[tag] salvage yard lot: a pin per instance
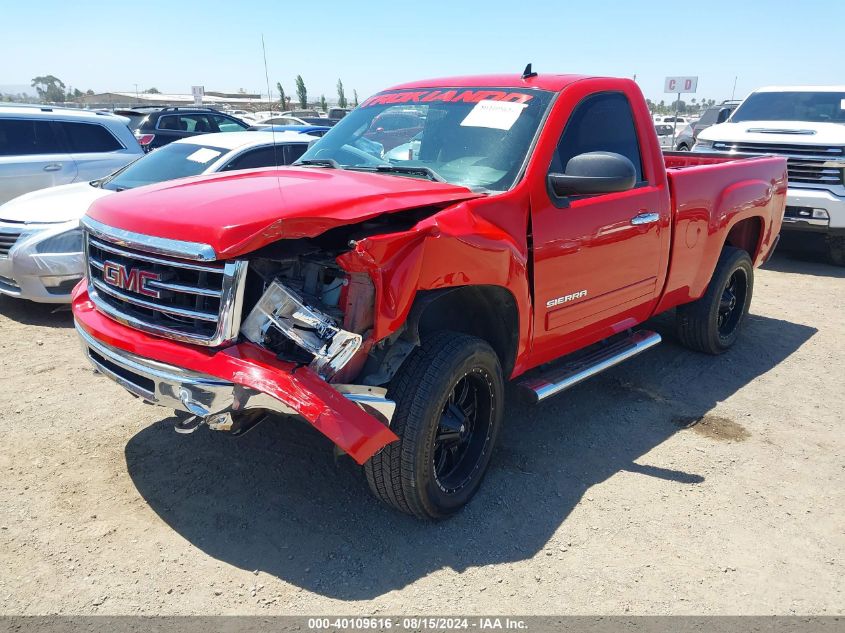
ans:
(676, 483)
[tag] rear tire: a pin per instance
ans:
(836, 249)
(449, 397)
(712, 323)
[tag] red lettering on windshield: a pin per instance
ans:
(446, 96)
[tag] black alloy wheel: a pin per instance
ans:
(464, 431)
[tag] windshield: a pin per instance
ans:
(815, 107)
(476, 137)
(176, 160)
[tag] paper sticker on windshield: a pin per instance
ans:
(499, 115)
(203, 155)
(842, 104)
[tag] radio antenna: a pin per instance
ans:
(269, 101)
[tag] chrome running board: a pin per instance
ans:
(569, 373)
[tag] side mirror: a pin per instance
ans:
(724, 113)
(594, 172)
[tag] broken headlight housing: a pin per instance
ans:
(282, 310)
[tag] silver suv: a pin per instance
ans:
(43, 146)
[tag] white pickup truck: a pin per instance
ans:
(806, 124)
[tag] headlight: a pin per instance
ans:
(312, 330)
(702, 146)
(67, 242)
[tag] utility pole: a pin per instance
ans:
(137, 98)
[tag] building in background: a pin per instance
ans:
(247, 101)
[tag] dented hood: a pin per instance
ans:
(239, 212)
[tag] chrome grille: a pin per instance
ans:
(805, 164)
(8, 237)
(196, 302)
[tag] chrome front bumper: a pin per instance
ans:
(202, 395)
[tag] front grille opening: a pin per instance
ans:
(136, 379)
(10, 285)
(806, 164)
(7, 241)
(161, 294)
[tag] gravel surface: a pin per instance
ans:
(676, 483)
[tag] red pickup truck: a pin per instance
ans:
(522, 230)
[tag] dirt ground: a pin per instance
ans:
(674, 484)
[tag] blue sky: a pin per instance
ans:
(373, 44)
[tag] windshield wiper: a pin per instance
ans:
(319, 162)
(421, 170)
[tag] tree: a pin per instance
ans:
(323, 104)
(341, 96)
(354, 98)
(89, 92)
(301, 92)
(152, 91)
(49, 88)
(282, 98)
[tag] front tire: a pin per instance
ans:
(836, 249)
(712, 323)
(449, 397)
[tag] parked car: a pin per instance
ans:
(711, 116)
(312, 130)
(44, 146)
(684, 141)
(301, 113)
(338, 113)
(664, 133)
(807, 125)
(280, 120)
(671, 119)
(386, 302)
(394, 128)
(136, 114)
(170, 124)
(40, 239)
(314, 120)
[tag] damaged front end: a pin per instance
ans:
(296, 352)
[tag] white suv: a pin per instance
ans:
(807, 125)
(43, 146)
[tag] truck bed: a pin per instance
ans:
(717, 199)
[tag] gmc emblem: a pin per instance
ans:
(131, 279)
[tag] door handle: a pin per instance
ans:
(53, 167)
(645, 218)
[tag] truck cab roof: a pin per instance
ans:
(542, 81)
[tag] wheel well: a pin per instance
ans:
(745, 234)
(488, 312)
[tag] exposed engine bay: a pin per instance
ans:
(299, 305)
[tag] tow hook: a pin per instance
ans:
(200, 415)
(220, 422)
(188, 425)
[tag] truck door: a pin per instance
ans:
(598, 259)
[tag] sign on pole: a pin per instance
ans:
(198, 91)
(680, 84)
